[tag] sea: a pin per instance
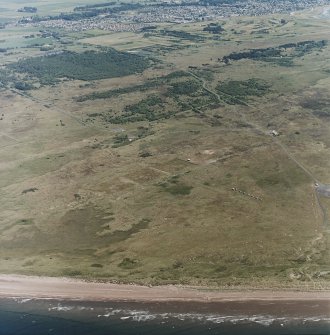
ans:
(41, 317)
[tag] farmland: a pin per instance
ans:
(169, 154)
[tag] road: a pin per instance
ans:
(320, 189)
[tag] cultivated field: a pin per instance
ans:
(167, 171)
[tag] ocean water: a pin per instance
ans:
(41, 317)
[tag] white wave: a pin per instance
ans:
(125, 317)
(315, 319)
(110, 313)
(262, 319)
(22, 301)
(216, 319)
(144, 317)
(61, 308)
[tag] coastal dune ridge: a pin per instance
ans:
(76, 289)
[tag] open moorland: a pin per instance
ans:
(169, 153)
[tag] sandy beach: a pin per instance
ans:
(73, 289)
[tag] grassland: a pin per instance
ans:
(170, 175)
(45, 7)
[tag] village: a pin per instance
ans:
(170, 12)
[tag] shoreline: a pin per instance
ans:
(59, 288)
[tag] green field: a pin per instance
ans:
(154, 162)
(45, 7)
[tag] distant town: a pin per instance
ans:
(132, 17)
